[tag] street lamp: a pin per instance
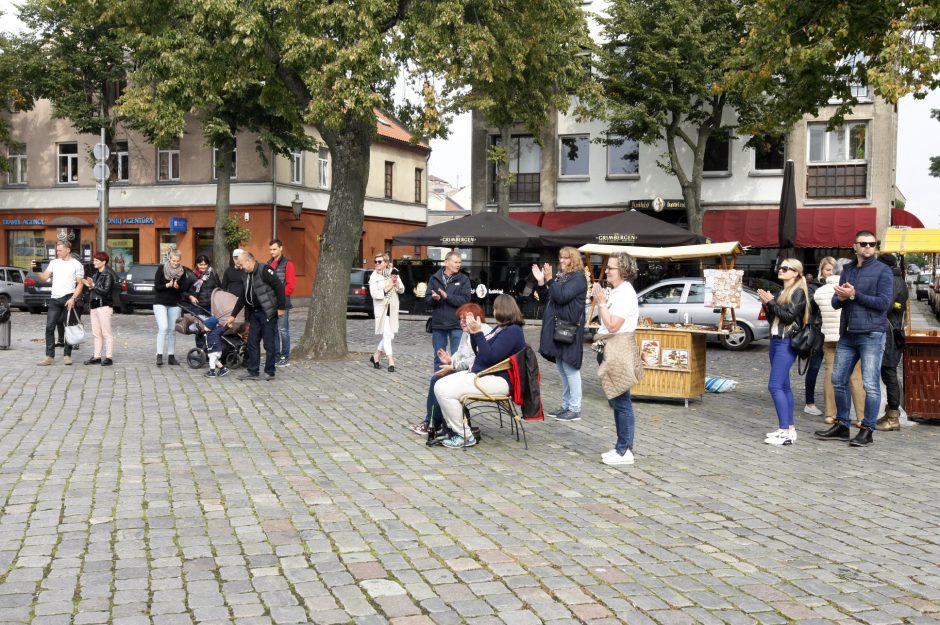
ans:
(297, 206)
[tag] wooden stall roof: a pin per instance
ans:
(681, 252)
(911, 240)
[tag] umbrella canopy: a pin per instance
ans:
(480, 230)
(627, 228)
(787, 212)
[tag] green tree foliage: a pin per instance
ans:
(664, 70)
(935, 160)
(14, 98)
(805, 54)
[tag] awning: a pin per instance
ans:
(900, 217)
(563, 219)
(911, 240)
(534, 219)
(681, 252)
(815, 227)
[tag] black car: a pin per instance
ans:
(36, 293)
(922, 285)
(137, 288)
(359, 299)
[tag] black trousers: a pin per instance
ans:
(260, 329)
(889, 375)
(55, 317)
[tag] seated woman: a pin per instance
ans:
(492, 348)
(460, 360)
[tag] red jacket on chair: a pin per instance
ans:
(525, 384)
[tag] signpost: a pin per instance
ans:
(102, 173)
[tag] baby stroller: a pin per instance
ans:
(199, 321)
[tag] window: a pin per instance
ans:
(419, 184)
(296, 167)
(68, 163)
(122, 161)
(623, 159)
(124, 246)
(25, 246)
(166, 242)
(204, 240)
(15, 276)
(324, 168)
(17, 158)
(575, 156)
(718, 154)
(525, 162)
(168, 164)
(389, 171)
(696, 294)
(215, 160)
(771, 156)
(666, 294)
(838, 161)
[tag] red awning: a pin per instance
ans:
(534, 219)
(900, 217)
(815, 227)
(564, 219)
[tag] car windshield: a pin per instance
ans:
(924, 278)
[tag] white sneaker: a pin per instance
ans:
(813, 410)
(785, 438)
(775, 433)
(615, 459)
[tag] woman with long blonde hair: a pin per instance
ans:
(787, 313)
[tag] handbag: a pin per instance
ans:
(427, 325)
(565, 331)
(807, 340)
(74, 333)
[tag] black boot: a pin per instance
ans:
(172, 360)
(863, 438)
(159, 360)
(838, 432)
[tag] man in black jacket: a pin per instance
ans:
(233, 278)
(448, 290)
(265, 301)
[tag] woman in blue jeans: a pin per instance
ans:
(169, 285)
(787, 314)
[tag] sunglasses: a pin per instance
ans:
(867, 243)
(379, 261)
(785, 268)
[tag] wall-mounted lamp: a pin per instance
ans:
(247, 216)
(297, 206)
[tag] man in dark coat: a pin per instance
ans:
(448, 290)
(264, 301)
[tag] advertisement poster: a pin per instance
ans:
(649, 352)
(676, 359)
(723, 288)
(122, 255)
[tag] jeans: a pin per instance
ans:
(782, 358)
(166, 328)
(812, 371)
(432, 406)
(625, 421)
(214, 339)
(570, 386)
(283, 336)
(260, 329)
(439, 340)
(868, 348)
(55, 316)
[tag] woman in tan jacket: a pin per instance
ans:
(385, 287)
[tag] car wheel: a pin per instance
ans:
(5, 299)
(736, 341)
(127, 309)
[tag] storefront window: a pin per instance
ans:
(26, 246)
(204, 239)
(166, 241)
(124, 248)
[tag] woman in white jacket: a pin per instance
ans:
(385, 287)
(830, 327)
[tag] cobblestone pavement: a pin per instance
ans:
(137, 495)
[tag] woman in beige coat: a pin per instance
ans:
(385, 287)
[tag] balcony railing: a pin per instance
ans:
(524, 189)
(837, 181)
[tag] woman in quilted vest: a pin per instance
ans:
(788, 312)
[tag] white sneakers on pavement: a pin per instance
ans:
(781, 437)
(811, 409)
(614, 459)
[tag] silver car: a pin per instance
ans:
(669, 301)
(11, 286)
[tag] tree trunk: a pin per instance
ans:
(325, 330)
(221, 254)
(503, 176)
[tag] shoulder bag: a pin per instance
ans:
(75, 332)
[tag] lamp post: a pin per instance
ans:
(297, 206)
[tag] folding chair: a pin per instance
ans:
(499, 404)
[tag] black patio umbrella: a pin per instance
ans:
(480, 230)
(787, 213)
(627, 228)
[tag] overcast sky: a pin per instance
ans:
(918, 140)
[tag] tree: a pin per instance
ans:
(187, 62)
(14, 99)
(664, 71)
(935, 160)
(804, 55)
(536, 56)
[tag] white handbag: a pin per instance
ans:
(75, 333)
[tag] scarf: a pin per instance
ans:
(172, 274)
(202, 278)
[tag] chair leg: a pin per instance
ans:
(524, 439)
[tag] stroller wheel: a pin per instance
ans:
(196, 358)
(233, 360)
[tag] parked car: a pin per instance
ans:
(137, 288)
(359, 299)
(933, 295)
(669, 301)
(12, 287)
(921, 285)
(36, 292)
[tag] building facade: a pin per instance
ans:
(165, 198)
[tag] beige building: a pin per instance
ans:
(162, 198)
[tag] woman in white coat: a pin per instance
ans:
(385, 287)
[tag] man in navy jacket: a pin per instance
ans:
(865, 295)
(448, 290)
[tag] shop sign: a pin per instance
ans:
(616, 238)
(120, 243)
(23, 222)
(657, 204)
(177, 224)
(124, 221)
(458, 240)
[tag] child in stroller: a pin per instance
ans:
(222, 347)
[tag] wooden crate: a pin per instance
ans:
(667, 382)
(922, 374)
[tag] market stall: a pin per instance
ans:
(922, 346)
(674, 354)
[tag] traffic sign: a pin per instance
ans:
(102, 171)
(101, 151)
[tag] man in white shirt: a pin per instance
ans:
(66, 274)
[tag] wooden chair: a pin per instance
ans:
(489, 404)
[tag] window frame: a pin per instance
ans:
(17, 160)
(623, 176)
(172, 154)
(297, 167)
(419, 184)
(215, 155)
(123, 162)
(719, 173)
(847, 142)
(526, 183)
(389, 179)
(71, 162)
(323, 168)
(587, 157)
(758, 171)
